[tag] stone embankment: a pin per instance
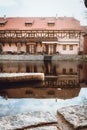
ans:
(73, 117)
(33, 121)
(21, 57)
(68, 57)
(41, 57)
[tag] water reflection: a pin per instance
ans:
(56, 73)
(30, 92)
(62, 79)
(64, 75)
(47, 67)
(63, 85)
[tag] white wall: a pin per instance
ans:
(74, 42)
(7, 47)
(13, 47)
(23, 47)
(81, 43)
(67, 51)
(59, 48)
(39, 48)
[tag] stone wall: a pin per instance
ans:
(21, 57)
(66, 57)
(41, 57)
(73, 117)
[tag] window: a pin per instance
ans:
(64, 47)
(71, 47)
(51, 23)
(3, 22)
(71, 35)
(64, 71)
(32, 49)
(1, 25)
(29, 92)
(51, 49)
(29, 23)
(50, 92)
(70, 70)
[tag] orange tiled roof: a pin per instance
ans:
(41, 23)
(84, 28)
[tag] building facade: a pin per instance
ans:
(40, 35)
(85, 43)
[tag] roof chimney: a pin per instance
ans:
(56, 16)
(4, 16)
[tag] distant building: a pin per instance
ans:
(85, 39)
(40, 35)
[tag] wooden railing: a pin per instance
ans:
(27, 35)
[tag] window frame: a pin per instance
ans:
(70, 47)
(64, 47)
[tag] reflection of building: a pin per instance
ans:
(49, 68)
(61, 74)
(57, 74)
(82, 68)
(42, 35)
(16, 67)
(85, 73)
(30, 92)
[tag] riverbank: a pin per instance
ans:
(41, 57)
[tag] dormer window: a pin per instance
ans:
(3, 22)
(28, 23)
(51, 23)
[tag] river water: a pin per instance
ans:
(65, 84)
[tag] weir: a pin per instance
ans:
(15, 77)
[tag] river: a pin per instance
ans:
(65, 84)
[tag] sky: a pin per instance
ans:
(44, 8)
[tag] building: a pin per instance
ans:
(40, 35)
(84, 41)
